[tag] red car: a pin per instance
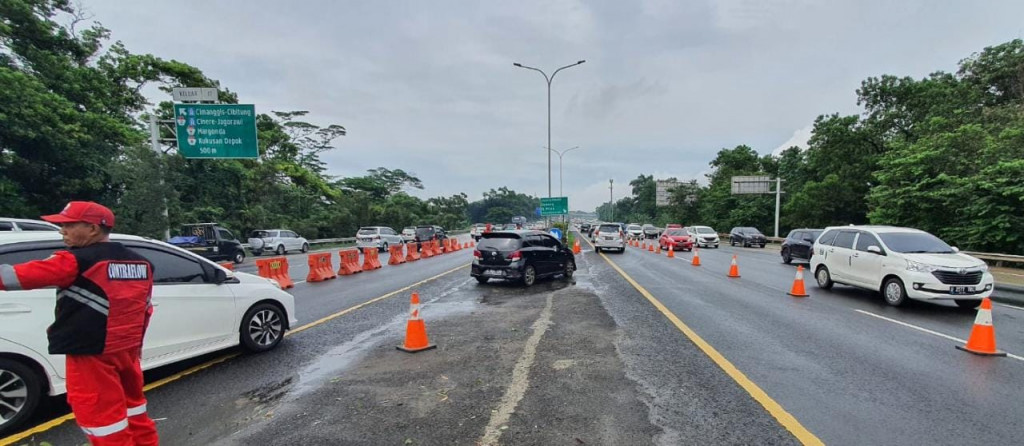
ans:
(677, 238)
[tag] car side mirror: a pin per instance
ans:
(875, 249)
(956, 250)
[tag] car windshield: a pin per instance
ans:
(633, 228)
(608, 228)
(675, 232)
(367, 231)
(496, 242)
(260, 234)
(915, 243)
(425, 232)
(815, 234)
(705, 230)
(750, 230)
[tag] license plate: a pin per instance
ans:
(609, 238)
(962, 290)
(494, 272)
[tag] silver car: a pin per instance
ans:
(380, 237)
(21, 224)
(278, 241)
(609, 236)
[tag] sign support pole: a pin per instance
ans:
(154, 141)
(778, 201)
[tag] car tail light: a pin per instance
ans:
(516, 255)
(621, 234)
(477, 254)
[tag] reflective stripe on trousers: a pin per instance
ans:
(108, 430)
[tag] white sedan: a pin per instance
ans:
(199, 307)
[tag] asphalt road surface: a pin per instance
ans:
(636, 348)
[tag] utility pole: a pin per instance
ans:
(778, 201)
(611, 199)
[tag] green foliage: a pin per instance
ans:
(499, 206)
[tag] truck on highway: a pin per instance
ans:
(210, 240)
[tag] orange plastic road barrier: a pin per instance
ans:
(734, 269)
(798, 283)
(415, 330)
(228, 265)
(427, 250)
(671, 252)
(320, 268)
(696, 256)
(983, 335)
(397, 256)
(371, 260)
(412, 253)
(275, 268)
(349, 262)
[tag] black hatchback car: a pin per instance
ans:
(799, 244)
(523, 256)
(747, 236)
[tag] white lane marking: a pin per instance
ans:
(1011, 306)
(915, 327)
(520, 378)
(299, 281)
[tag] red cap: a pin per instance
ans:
(83, 211)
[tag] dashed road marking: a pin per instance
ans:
(925, 330)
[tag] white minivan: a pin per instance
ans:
(198, 307)
(900, 263)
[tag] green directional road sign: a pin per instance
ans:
(216, 130)
(554, 206)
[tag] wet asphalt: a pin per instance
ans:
(591, 361)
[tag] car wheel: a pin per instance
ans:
(967, 303)
(305, 248)
(597, 250)
(20, 392)
(786, 257)
(280, 250)
(732, 242)
(894, 292)
(262, 327)
(529, 275)
(570, 268)
(384, 247)
(824, 278)
(482, 279)
(239, 256)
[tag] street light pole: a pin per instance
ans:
(560, 155)
(548, 80)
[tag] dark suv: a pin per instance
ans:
(426, 233)
(521, 255)
(799, 244)
(746, 236)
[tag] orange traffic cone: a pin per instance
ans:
(658, 251)
(576, 247)
(983, 335)
(798, 283)
(650, 248)
(415, 330)
(671, 252)
(734, 269)
(696, 256)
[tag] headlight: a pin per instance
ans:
(920, 267)
(983, 267)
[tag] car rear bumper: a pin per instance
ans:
(614, 244)
(513, 271)
(362, 244)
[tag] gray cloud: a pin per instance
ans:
(429, 86)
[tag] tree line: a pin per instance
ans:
(73, 126)
(944, 154)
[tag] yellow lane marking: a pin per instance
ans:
(775, 409)
(63, 419)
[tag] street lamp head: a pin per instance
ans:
(517, 64)
(577, 63)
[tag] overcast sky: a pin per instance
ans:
(429, 86)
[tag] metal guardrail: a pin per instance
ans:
(987, 256)
(348, 239)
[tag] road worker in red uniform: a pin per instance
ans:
(102, 311)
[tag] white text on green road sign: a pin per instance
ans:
(216, 130)
(554, 206)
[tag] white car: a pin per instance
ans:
(609, 236)
(409, 234)
(703, 236)
(199, 307)
(635, 232)
(22, 224)
(900, 263)
(379, 237)
(278, 241)
(477, 231)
